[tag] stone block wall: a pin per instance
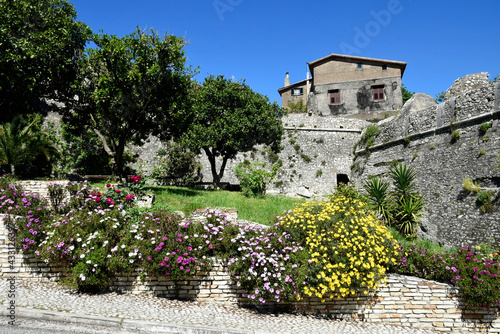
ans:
(422, 138)
(315, 151)
(39, 187)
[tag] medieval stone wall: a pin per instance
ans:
(422, 136)
(316, 150)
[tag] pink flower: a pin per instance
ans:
(129, 197)
(97, 199)
(118, 191)
(108, 185)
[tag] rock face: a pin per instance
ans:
(466, 84)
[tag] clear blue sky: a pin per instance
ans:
(260, 41)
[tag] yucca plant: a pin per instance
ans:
(408, 213)
(403, 178)
(378, 195)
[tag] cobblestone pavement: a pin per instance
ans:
(211, 317)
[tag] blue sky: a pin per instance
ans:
(260, 41)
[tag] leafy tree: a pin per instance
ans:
(230, 118)
(38, 43)
(440, 96)
(129, 88)
(83, 154)
(406, 94)
(176, 165)
(21, 142)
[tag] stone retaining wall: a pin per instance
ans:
(405, 301)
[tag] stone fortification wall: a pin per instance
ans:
(405, 301)
(421, 136)
(315, 151)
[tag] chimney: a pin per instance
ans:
(287, 79)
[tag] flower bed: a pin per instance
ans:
(327, 257)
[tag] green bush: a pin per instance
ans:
(254, 177)
(476, 273)
(455, 135)
(368, 137)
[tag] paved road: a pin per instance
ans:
(144, 313)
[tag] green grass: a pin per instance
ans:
(259, 210)
(427, 244)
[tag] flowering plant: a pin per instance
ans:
(269, 266)
(349, 249)
(474, 272)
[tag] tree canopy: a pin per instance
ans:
(406, 94)
(38, 43)
(230, 118)
(130, 87)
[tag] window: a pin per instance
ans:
(360, 66)
(378, 93)
(334, 96)
(384, 67)
(297, 91)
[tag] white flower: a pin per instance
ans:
(123, 246)
(79, 239)
(89, 262)
(82, 256)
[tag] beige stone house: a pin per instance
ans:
(347, 85)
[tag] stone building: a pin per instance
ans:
(347, 85)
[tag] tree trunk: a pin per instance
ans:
(216, 176)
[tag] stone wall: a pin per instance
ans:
(421, 136)
(403, 300)
(315, 151)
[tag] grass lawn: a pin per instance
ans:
(259, 210)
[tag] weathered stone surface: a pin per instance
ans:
(419, 101)
(466, 84)
(452, 216)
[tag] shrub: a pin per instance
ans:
(254, 177)
(369, 135)
(349, 250)
(270, 266)
(455, 135)
(475, 273)
(319, 172)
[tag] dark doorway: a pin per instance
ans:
(342, 178)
